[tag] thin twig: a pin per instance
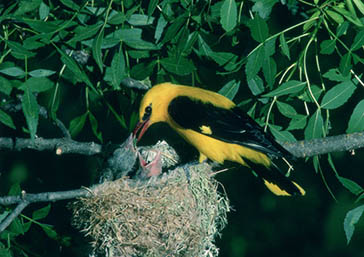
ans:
(15, 213)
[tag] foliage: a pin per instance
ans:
(71, 57)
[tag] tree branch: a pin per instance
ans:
(59, 145)
(25, 199)
(15, 213)
(309, 148)
(300, 149)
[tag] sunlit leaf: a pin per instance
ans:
(315, 126)
(284, 46)
(327, 46)
(254, 63)
(178, 65)
(351, 218)
(228, 13)
(356, 122)
(338, 95)
(256, 85)
(230, 89)
(290, 87)
(286, 109)
(41, 73)
(258, 29)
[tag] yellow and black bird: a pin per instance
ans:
(218, 129)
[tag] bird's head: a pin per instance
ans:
(154, 107)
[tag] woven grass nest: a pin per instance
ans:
(179, 213)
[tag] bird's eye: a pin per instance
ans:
(148, 109)
(147, 112)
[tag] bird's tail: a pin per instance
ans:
(275, 181)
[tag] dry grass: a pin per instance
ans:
(177, 214)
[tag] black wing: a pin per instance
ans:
(228, 125)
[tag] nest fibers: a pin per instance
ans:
(177, 214)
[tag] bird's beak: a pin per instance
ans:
(143, 125)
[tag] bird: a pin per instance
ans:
(218, 129)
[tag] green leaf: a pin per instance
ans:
(284, 46)
(335, 75)
(204, 48)
(142, 70)
(41, 73)
(173, 29)
(178, 65)
(94, 126)
(327, 46)
(297, 122)
(228, 14)
(264, 7)
(258, 29)
(43, 11)
(27, 6)
(6, 119)
(345, 64)
(358, 41)
(256, 85)
(308, 25)
(289, 87)
(338, 95)
(230, 89)
(352, 186)
(225, 59)
(339, 19)
(41, 213)
(140, 20)
(13, 72)
(307, 97)
(42, 26)
(96, 50)
(161, 24)
(351, 218)
(5, 86)
(19, 51)
(37, 85)
(281, 135)
(269, 47)
(75, 69)
(356, 122)
(151, 7)
(286, 109)
(254, 63)
(77, 124)
(133, 38)
(82, 33)
(342, 29)
(348, 15)
(49, 230)
(269, 70)
(31, 111)
(360, 5)
(71, 4)
(117, 69)
(315, 126)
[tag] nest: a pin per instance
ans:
(177, 214)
